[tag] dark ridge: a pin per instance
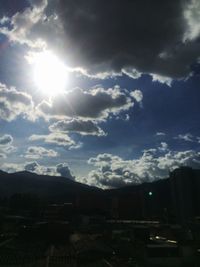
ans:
(2, 172)
(41, 185)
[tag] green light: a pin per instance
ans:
(150, 193)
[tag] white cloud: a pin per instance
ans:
(24, 23)
(59, 139)
(12, 167)
(162, 79)
(132, 73)
(39, 169)
(100, 75)
(4, 20)
(137, 95)
(36, 152)
(186, 137)
(163, 147)
(160, 134)
(32, 166)
(192, 18)
(14, 103)
(113, 171)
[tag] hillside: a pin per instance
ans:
(41, 185)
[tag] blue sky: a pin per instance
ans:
(96, 94)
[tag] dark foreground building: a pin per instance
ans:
(175, 199)
(185, 189)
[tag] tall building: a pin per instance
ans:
(185, 189)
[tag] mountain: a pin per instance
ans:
(51, 187)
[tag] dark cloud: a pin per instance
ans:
(6, 140)
(78, 126)
(64, 170)
(96, 103)
(143, 35)
(156, 37)
(6, 147)
(31, 166)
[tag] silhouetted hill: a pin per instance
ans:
(57, 186)
(42, 185)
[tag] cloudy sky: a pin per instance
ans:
(102, 92)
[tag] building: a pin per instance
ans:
(185, 188)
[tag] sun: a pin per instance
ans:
(49, 73)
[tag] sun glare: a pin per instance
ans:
(50, 74)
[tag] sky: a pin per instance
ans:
(102, 92)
